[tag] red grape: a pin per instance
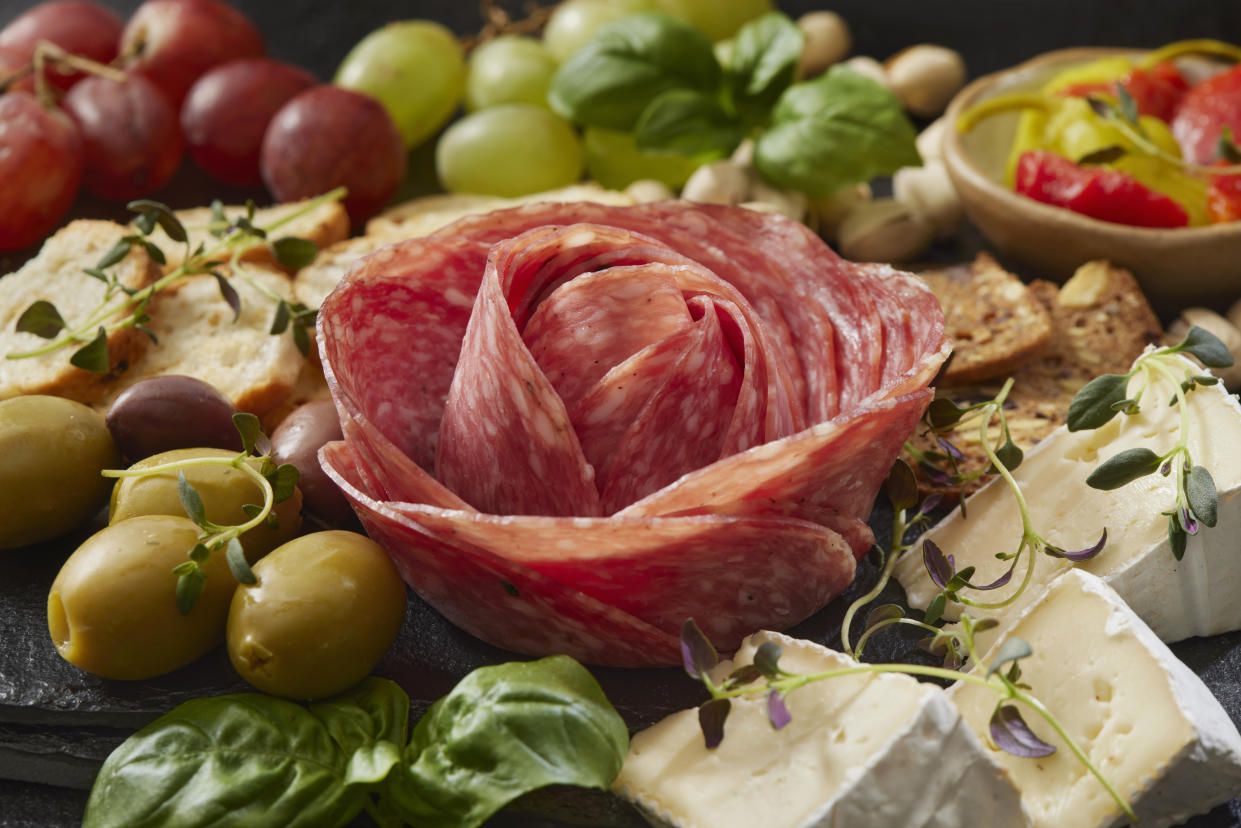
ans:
(228, 110)
(328, 137)
(40, 168)
(84, 28)
(130, 134)
(173, 42)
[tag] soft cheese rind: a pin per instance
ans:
(1144, 718)
(861, 750)
(1178, 599)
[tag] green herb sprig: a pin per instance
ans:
(1123, 113)
(125, 307)
(276, 482)
(659, 79)
(1196, 501)
(1007, 727)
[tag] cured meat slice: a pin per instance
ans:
(495, 599)
(643, 414)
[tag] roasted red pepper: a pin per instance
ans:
(1094, 191)
(1204, 111)
(1157, 91)
(1224, 198)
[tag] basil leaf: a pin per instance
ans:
(834, 131)
(239, 760)
(688, 123)
(504, 731)
(763, 63)
(626, 65)
(1123, 468)
(1095, 404)
(369, 723)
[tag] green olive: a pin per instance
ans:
(112, 609)
(326, 608)
(224, 491)
(51, 453)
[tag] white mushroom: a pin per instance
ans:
(925, 77)
(1215, 324)
(720, 182)
(928, 191)
(646, 190)
(827, 213)
(788, 203)
(868, 67)
(883, 230)
(930, 141)
(827, 41)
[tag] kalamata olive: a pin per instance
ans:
(51, 453)
(326, 608)
(224, 490)
(297, 440)
(171, 412)
(112, 609)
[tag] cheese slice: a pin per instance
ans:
(862, 750)
(1144, 718)
(1178, 599)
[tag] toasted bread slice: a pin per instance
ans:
(422, 216)
(324, 225)
(319, 278)
(56, 275)
(254, 369)
(995, 322)
(1101, 323)
(310, 386)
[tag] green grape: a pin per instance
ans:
(717, 19)
(614, 160)
(415, 68)
(509, 150)
(509, 69)
(574, 21)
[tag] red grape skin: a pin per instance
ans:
(40, 169)
(130, 135)
(228, 110)
(174, 42)
(330, 137)
(87, 29)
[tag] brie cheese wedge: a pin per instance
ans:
(863, 750)
(1146, 720)
(1197, 595)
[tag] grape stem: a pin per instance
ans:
(45, 51)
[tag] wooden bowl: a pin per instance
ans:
(1176, 267)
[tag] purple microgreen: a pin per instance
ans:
(767, 659)
(943, 413)
(939, 566)
(1012, 735)
(943, 645)
(777, 712)
(1187, 521)
(960, 580)
(934, 473)
(935, 609)
(41, 319)
(930, 504)
(1011, 650)
(1094, 405)
(1123, 468)
(250, 429)
(1177, 538)
(1078, 556)
(984, 624)
(191, 500)
(884, 613)
(742, 675)
(949, 449)
(1166, 468)
(1202, 496)
(901, 486)
(235, 556)
(711, 717)
(965, 574)
(93, 356)
(1207, 347)
(1010, 455)
(698, 655)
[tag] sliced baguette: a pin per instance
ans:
(1101, 322)
(316, 280)
(324, 225)
(253, 368)
(56, 275)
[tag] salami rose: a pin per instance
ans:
(574, 426)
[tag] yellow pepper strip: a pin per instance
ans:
(1011, 102)
(1201, 46)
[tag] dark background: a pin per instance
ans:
(56, 723)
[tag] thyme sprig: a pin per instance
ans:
(276, 482)
(1007, 727)
(1196, 501)
(126, 307)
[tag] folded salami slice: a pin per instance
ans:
(574, 426)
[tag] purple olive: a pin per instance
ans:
(297, 440)
(171, 412)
